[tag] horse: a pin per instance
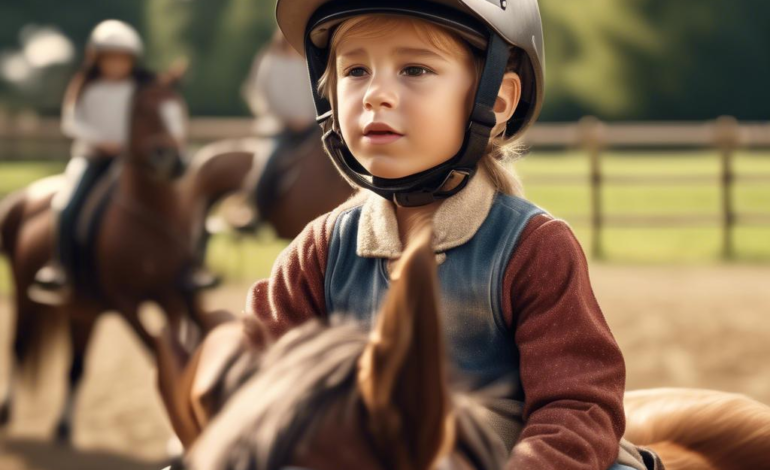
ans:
(291, 182)
(151, 223)
(331, 396)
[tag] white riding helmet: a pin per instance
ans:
(115, 35)
(494, 26)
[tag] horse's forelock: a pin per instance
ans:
(298, 377)
(308, 371)
(150, 94)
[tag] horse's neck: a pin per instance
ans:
(138, 188)
(221, 169)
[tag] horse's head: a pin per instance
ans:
(158, 127)
(326, 398)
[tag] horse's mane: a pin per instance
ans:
(700, 428)
(292, 386)
(296, 377)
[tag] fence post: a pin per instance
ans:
(592, 137)
(4, 121)
(727, 139)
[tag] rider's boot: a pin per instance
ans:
(51, 285)
(198, 277)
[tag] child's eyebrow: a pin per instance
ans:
(415, 51)
(410, 51)
(354, 53)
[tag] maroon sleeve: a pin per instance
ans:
(294, 292)
(572, 370)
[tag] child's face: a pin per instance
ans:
(402, 103)
(115, 65)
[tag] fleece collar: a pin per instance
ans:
(455, 222)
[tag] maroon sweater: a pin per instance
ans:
(572, 370)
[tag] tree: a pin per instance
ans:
(75, 19)
(657, 59)
(219, 38)
(630, 59)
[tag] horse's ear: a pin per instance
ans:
(401, 373)
(174, 74)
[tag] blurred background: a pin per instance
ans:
(642, 60)
(654, 144)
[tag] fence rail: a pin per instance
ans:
(725, 135)
(669, 135)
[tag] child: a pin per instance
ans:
(95, 114)
(420, 101)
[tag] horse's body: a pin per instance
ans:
(147, 239)
(334, 397)
(307, 184)
(694, 429)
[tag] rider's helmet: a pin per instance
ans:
(115, 35)
(496, 26)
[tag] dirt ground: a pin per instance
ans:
(705, 327)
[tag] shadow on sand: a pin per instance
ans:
(27, 454)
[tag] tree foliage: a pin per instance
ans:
(630, 59)
(657, 59)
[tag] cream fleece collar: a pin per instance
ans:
(455, 222)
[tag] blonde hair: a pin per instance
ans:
(501, 152)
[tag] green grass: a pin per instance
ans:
(655, 244)
(245, 258)
(252, 258)
(15, 175)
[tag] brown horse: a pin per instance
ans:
(146, 240)
(333, 397)
(306, 183)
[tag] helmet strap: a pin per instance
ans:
(428, 186)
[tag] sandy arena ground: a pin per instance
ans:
(691, 327)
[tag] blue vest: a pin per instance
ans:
(480, 345)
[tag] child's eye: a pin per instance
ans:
(355, 72)
(416, 71)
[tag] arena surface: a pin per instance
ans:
(705, 327)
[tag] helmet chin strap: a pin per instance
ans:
(441, 181)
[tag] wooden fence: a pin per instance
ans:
(595, 137)
(725, 134)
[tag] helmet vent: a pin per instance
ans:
(503, 4)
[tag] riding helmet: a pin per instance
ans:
(494, 26)
(115, 35)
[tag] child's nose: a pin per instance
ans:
(380, 94)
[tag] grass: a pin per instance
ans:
(245, 258)
(15, 175)
(252, 258)
(655, 244)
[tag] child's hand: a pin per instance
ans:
(187, 382)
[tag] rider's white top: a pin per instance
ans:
(100, 115)
(279, 89)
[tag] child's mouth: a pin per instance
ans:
(382, 137)
(380, 134)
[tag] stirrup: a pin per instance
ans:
(50, 286)
(45, 296)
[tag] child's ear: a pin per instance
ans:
(507, 100)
